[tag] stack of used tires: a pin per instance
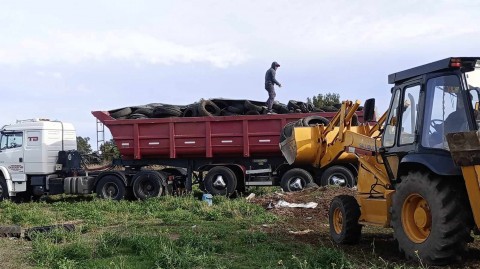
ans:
(213, 107)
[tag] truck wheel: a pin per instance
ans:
(343, 218)
(295, 180)
(338, 176)
(220, 180)
(3, 189)
(111, 187)
(147, 184)
(430, 220)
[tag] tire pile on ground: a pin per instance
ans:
(214, 107)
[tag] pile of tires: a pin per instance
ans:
(214, 107)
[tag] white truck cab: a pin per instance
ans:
(31, 148)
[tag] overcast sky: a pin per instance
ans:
(64, 59)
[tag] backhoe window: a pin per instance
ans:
(391, 123)
(444, 111)
(11, 140)
(409, 115)
(473, 81)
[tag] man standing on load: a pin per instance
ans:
(270, 82)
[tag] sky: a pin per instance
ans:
(63, 59)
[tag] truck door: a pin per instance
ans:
(11, 155)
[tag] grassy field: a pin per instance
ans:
(170, 232)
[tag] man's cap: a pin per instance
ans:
(276, 64)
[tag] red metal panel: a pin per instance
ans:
(255, 135)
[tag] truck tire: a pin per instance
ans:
(249, 106)
(148, 184)
(314, 120)
(236, 108)
(208, 108)
(110, 187)
(220, 180)
(343, 218)
(338, 175)
(190, 111)
(122, 112)
(295, 179)
(430, 219)
(147, 111)
(166, 111)
(3, 189)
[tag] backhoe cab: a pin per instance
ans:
(410, 181)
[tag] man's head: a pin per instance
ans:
(275, 65)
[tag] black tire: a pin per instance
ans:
(355, 120)
(137, 116)
(442, 238)
(220, 180)
(147, 111)
(208, 108)
(227, 113)
(148, 184)
(251, 107)
(220, 103)
(287, 131)
(314, 120)
(122, 112)
(280, 108)
(179, 181)
(338, 176)
(295, 179)
(252, 112)
(190, 111)
(3, 189)
(292, 105)
(235, 109)
(110, 187)
(343, 218)
(167, 111)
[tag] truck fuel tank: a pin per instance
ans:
(78, 185)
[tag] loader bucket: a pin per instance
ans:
(303, 146)
(464, 148)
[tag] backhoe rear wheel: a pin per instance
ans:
(430, 220)
(343, 218)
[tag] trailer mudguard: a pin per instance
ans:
(439, 164)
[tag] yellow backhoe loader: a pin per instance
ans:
(419, 167)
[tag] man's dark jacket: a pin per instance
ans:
(270, 77)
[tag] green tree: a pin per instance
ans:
(323, 100)
(109, 150)
(83, 146)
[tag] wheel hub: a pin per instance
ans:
(219, 182)
(296, 184)
(338, 220)
(416, 218)
(336, 180)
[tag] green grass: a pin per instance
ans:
(168, 232)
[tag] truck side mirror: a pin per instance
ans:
(369, 110)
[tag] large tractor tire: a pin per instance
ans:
(430, 219)
(295, 179)
(220, 180)
(338, 176)
(343, 217)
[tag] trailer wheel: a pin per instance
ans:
(3, 189)
(147, 184)
(338, 176)
(111, 187)
(343, 218)
(220, 180)
(430, 220)
(295, 179)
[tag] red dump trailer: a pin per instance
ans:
(223, 154)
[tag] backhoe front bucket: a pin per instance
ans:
(303, 146)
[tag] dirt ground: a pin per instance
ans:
(311, 226)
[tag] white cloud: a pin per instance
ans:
(73, 48)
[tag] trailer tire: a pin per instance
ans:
(220, 180)
(314, 120)
(343, 216)
(295, 179)
(338, 176)
(3, 189)
(442, 236)
(110, 187)
(147, 184)
(122, 112)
